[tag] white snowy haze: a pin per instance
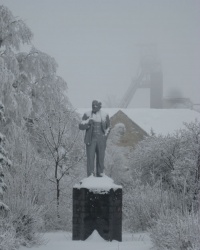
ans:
(95, 43)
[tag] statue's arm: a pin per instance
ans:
(85, 123)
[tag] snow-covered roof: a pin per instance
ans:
(161, 121)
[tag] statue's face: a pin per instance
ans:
(96, 106)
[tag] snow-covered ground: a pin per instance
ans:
(63, 241)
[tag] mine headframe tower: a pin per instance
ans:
(149, 76)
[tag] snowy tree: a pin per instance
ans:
(187, 169)
(36, 109)
(173, 161)
(56, 130)
(154, 159)
(13, 34)
(13, 31)
(4, 161)
(37, 70)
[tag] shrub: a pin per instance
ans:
(176, 231)
(8, 239)
(143, 205)
(63, 222)
(27, 219)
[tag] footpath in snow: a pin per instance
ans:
(63, 241)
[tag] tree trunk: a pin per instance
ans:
(58, 197)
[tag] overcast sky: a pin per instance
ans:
(95, 43)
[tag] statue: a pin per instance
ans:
(96, 123)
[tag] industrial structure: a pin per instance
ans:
(149, 76)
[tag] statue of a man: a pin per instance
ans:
(96, 123)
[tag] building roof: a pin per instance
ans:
(160, 121)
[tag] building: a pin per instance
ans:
(139, 123)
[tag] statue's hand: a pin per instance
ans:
(91, 121)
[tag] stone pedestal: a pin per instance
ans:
(98, 209)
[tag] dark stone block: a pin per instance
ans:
(97, 211)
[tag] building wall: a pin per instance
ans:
(133, 133)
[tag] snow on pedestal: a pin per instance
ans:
(97, 205)
(98, 184)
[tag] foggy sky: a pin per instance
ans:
(95, 43)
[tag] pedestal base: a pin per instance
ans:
(97, 209)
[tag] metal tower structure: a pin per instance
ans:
(149, 76)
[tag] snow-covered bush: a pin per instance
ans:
(64, 222)
(143, 205)
(8, 239)
(166, 177)
(176, 231)
(27, 221)
(173, 160)
(154, 159)
(21, 228)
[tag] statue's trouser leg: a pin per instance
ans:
(90, 150)
(100, 155)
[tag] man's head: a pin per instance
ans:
(96, 106)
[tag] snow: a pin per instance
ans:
(98, 184)
(161, 121)
(95, 237)
(63, 240)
